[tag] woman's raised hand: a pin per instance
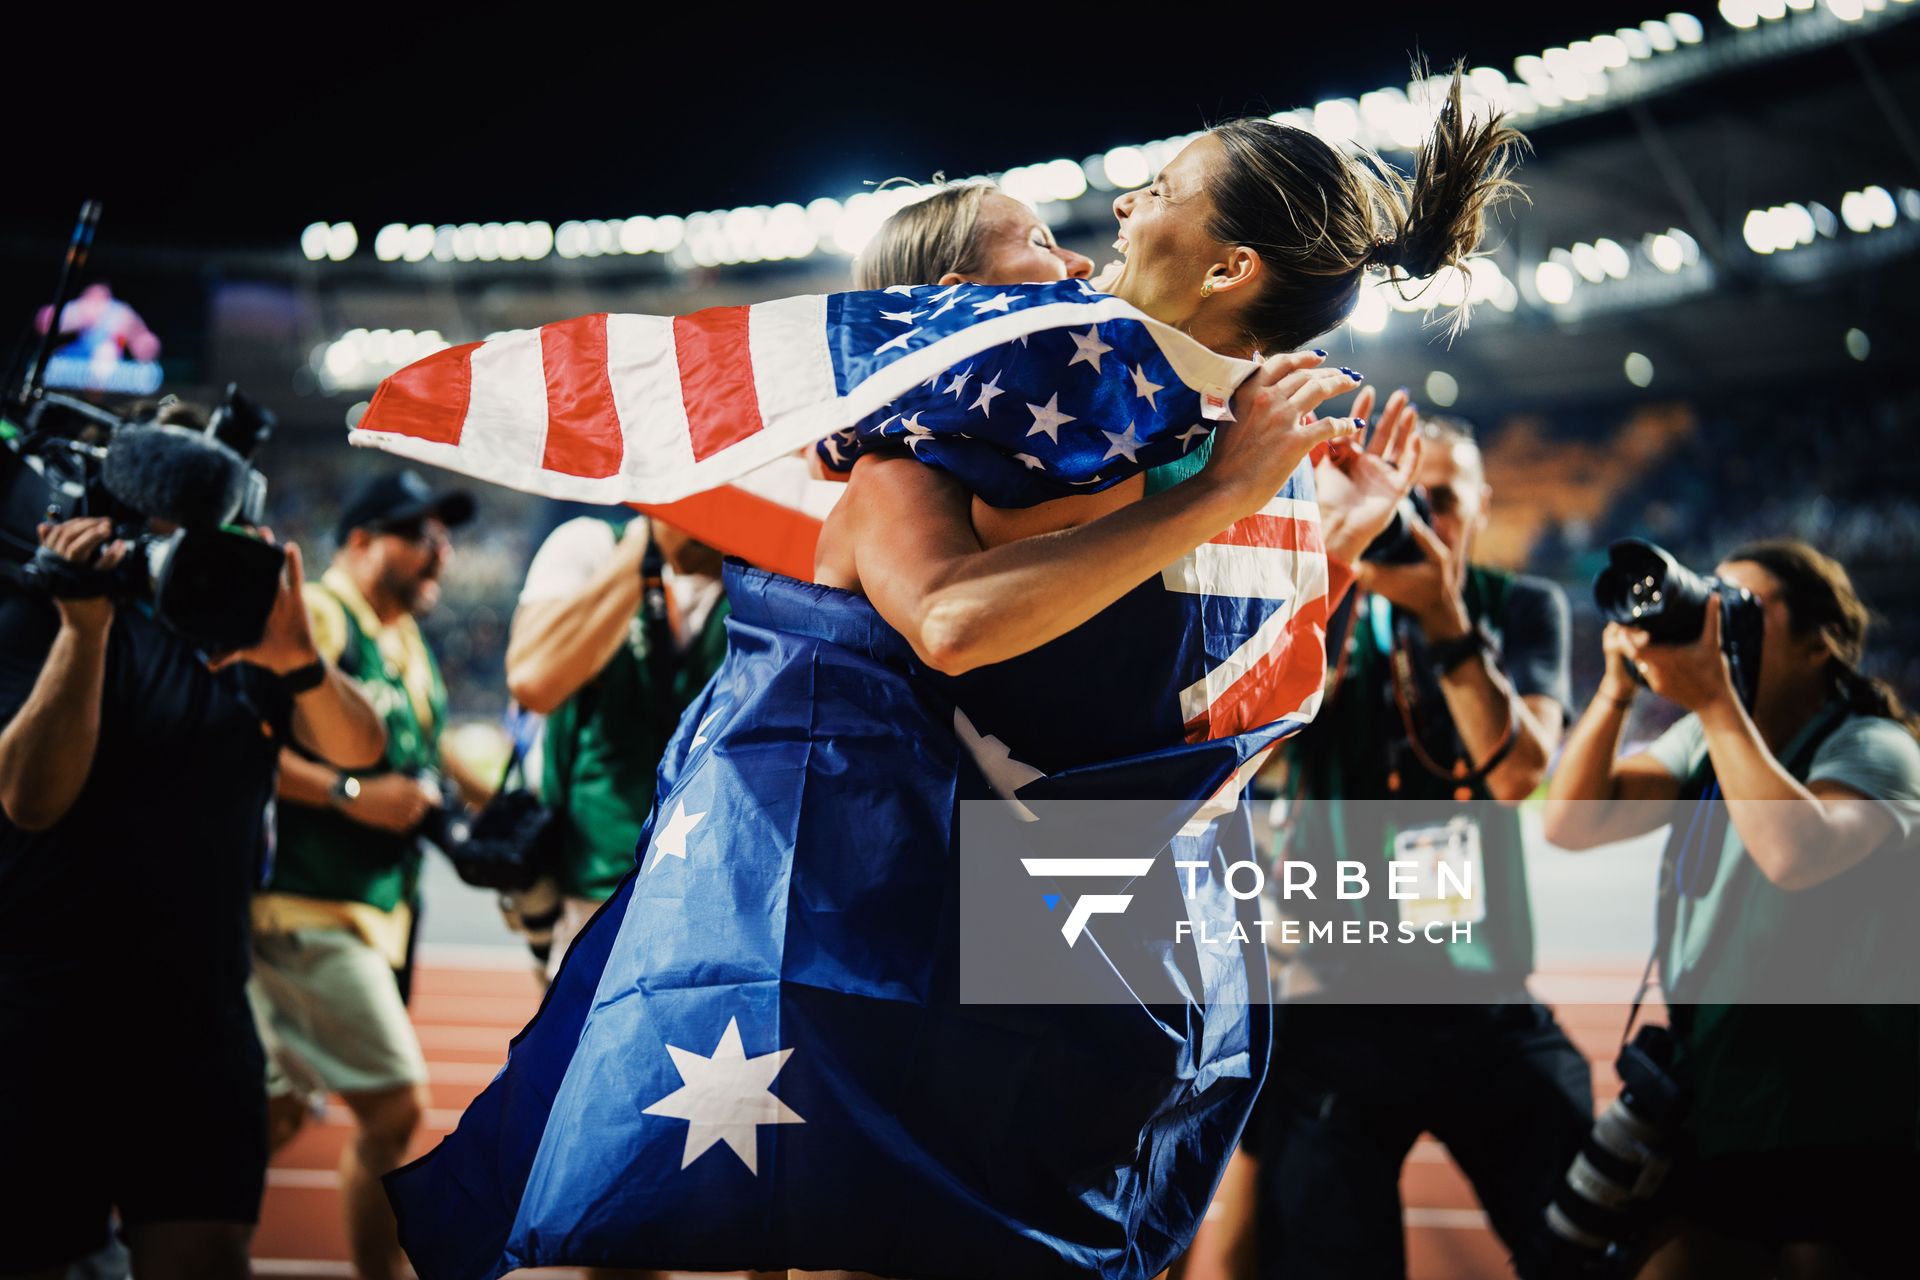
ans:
(1360, 486)
(1273, 428)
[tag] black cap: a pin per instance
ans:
(396, 498)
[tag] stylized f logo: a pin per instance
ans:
(1091, 904)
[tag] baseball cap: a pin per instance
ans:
(397, 497)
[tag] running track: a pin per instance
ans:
(466, 1016)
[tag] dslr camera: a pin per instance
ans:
(184, 500)
(1644, 587)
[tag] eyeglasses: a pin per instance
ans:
(422, 532)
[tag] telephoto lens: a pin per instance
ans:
(1643, 586)
(1395, 544)
(1597, 1218)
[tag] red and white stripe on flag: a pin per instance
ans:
(1277, 673)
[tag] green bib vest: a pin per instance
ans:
(1339, 770)
(325, 854)
(603, 745)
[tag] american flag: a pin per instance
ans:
(1025, 392)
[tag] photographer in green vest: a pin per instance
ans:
(333, 925)
(619, 626)
(1785, 942)
(1450, 685)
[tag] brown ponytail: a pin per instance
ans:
(1821, 601)
(1320, 220)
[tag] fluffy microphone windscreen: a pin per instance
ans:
(171, 473)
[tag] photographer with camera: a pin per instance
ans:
(619, 627)
(1800, 1151)
(333, 926)
(1450, 689)
(136, 779)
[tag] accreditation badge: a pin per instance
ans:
(1437, 900)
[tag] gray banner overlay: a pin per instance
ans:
(1391, 902)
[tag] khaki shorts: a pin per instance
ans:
(330, 1014)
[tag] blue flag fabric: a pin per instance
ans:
(755, 1056)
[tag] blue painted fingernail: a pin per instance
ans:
(1317, 351)
(1359, 424)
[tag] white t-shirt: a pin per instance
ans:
(573, 553)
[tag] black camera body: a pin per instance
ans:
(1596, 1221)
(209, 577)
(1644, 587)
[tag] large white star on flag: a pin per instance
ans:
(899, 340)
(725, 1099)
(1186, 437)
(944, 307)
(959, 384)
(832, 446)
(1088, 347)
(998, 302)
(901, 288)
(1145, 387)
(948, 292)
(904, 317)
(1033, 463)
(672, 843)
(988, 390)
(1048, 418)
(1122, 443)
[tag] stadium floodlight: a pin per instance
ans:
(1757, 230)
(1639, 369)
(1442, 389)
(313, 241)
(1553, 282)
(1371, 312)
(1686, 28)
(1635, 42)
(342, 240)
(1847, 10)
(1740, 14)
(1586, 260)
(419, 245)
(1659, 35)
(1613, 258)
(1664, 252)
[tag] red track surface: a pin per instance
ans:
(466, 1017)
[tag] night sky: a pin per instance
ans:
(544, 111)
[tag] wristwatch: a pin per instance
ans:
(1446, 655)
(345, 790)
(301, 679)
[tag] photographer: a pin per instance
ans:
(618, 628)
(1799, 1151)
(1450, 689)
(136, 779)
(333, 926)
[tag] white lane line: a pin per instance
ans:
(301, 1267)
(1447, 1219)
(308, 1179)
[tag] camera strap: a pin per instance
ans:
(1691, 862)
(1464, 774)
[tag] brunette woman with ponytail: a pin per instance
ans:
(1788, 958)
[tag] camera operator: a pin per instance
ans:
(1451, 687)
(333, 926)
(1799, 1153)
(619, 627)
(136, 778)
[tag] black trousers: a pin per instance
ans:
(1351, 1087)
